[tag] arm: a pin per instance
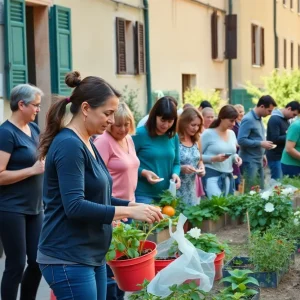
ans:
(9, 177)
(176, 164)
(119, 202)
(205, 141)
(244, 133)
(291, 150)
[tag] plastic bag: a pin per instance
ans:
(172, 187)
(192, 264)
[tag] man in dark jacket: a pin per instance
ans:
(276, 133)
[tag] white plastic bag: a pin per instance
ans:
(172, 187)
(192, 264)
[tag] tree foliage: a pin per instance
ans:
(282, 86)
(195, 96)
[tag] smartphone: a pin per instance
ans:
(227, 154)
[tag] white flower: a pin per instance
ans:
(252, 193)
(296, 213)
(287, 191)
(266, 195)
(296, 221)
(269, 207)
(195, 232)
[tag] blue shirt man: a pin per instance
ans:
(252, 142)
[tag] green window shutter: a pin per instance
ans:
(240, 96)
(60, 48)
(15, 46)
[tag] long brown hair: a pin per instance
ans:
(165, 107)
(93, 90)
(187, 116)
(226, 112)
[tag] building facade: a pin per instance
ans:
(185, 52)
(45, 39)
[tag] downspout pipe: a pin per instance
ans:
(147, 55)
(230, 61)
(275, 34)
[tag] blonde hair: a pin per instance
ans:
(237, 106)
(122, 115)
(187, 116)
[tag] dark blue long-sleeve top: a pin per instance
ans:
(79, 208)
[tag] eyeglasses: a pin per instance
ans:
(36, 105)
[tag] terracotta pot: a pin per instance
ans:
(219, 262)
(131, 272)
(161, 264)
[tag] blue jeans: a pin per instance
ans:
(76, 282)
(290, 171)
(253, 174)
(275, 168)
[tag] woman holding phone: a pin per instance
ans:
(219, 153)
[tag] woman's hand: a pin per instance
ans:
(38, 167)
(187, 169)
(177, 181)
(150, 176)
(201, 171)
(219, 158)
(238, 161)
(146, 213)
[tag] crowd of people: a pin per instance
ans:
(61, 191)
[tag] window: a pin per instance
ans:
(130, 47)
(292, 55)
(217, 42)
(284, 53)
(60, 48)
(258, 45)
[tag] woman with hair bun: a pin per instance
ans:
(219, 153)
(77, 193)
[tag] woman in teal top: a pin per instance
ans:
(157, 147)
(290, 161)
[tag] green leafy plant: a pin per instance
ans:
(269, 252)
(166, 198)
(239, 281)
(293, 181)
(196, 96)
(207, 210)
(237, 205)
(206, 242)
(130, 96)
(268, 208)
(185, 291)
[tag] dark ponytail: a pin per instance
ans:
(93, 90)
(226, 112)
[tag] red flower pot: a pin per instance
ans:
(219, 262)
(161, 264)
(130, 272)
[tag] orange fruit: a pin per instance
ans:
(168, 210)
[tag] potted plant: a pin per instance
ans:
(206, 242)
(239, 285)
(185, 291)
(269, 258)
(131, 257)
(209, 215)
(269, 208)
(237, 208)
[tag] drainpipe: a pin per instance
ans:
(230, 61)
(275, 33)
(147, 55)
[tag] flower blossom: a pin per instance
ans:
(266, 195)
(269, 207)
(296, 221)
(195, 232)
(252, 193)
(287, 191)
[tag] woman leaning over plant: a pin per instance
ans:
(79, 207)
(189, 127)
(157, 148)
(219, 153)
(21, 213)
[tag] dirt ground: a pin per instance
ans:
(289, 287)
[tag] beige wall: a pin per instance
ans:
(94, 40)
(180, 43)
(261, 13)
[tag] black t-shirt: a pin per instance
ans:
(24, 196)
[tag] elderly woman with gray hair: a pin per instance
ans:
(21, 213)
